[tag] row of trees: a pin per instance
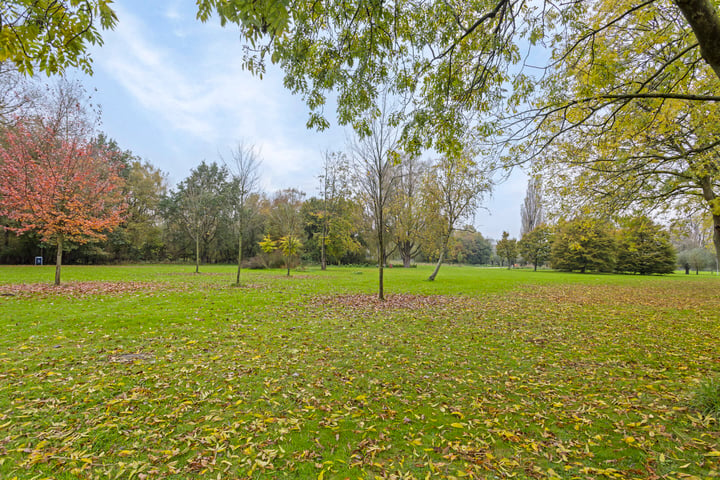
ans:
(66, 187)
(637, 246)
(593, 241)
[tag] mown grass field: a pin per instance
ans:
(151, 372)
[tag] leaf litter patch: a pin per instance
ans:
(392, 302)
(79, 289)
(132, 358)
(673, 295)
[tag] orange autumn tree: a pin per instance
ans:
(61, 186)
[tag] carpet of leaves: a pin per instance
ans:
(553, 382)
(77, 289)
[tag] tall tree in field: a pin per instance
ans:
(146, 187)
(66, 189)
(534, 245)
(531, 211)
(200, 203)
(374, 160)
(583, 244)
(408, 217)
(244, 165)
(335, 190)
(452, 191)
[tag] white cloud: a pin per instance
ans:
(186, 93)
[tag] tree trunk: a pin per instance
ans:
(535, 265)
(437, 266)
(445, 242)
(716, 237)
(197, 253)
(703, 17)
(406, 261)
(237, 281)
(323, 261)
(711, 199)
(381, 264)
(58, 258)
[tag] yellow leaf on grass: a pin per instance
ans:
(457, 425)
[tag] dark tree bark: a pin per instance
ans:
(704, 19)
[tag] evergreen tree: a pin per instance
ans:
(644, 248)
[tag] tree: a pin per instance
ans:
(634, 137)
(18, 95)
(697, 259)
(531, 211)
(473, 247)
(534, 246)
(146, 186)
(244, 165)
(335, 190)
(405, 211)
(506, 249)
(52, 35)
(374, 159)
(452, 191)
(337, 224)
(66, 189)
(285, 224)
(200, 204)
(644, 247)
(290, 246)
(583, 244)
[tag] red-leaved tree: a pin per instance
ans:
(61, 186)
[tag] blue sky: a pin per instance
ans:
(173, 91)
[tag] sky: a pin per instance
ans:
(173, 91)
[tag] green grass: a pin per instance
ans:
(484, 373)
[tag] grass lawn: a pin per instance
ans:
(148, 372)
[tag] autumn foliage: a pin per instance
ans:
(65, 189)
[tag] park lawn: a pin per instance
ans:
(154, 372)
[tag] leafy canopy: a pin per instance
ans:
(65, 188)
(52, 35)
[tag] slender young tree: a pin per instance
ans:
(244, 166)
(374, 159)
(335, 188)
(285, 225)
(453, 190)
